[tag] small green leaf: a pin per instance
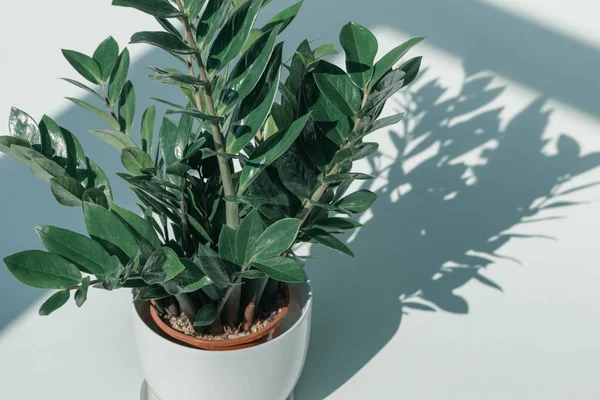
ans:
(45, 169)
(116, 139)
(297, 172)
(411, 69)
(112, 275)
(173, 138)
(227, 244)
(106, 56)
(81, 293)
(43, 270)
(269, 151)
(162, 266)
(284, 269)
(276, 239)
(233, 35)
(135, 159)
(85, 65)
(98, 112)
(212, 265)
(164, 40)
(178, 169)
(324, 50)
(283, 18)
(141, 229)
(22, 126)
(206, 316)
(147, 130)
(193, 8)
(56, 301)
(328, 240)
(385, 88)
(336, 223)
(212, 19)
(156, 8)
(365, 129)
(360, 46)
(337, 178)
(127, 108)
(354, 153)
(84, 87)
(194, 113)
(96, 196)
(385, 64)
(337, 87)
(248, 232)
(97, 179)
(189, 280)
(118, 77)
(152, 293)
(357, 202)
(7, 141)
(250, 274)
(67, 191)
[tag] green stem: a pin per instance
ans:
(184, 216)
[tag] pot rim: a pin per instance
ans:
(226, 344)
(305, 312)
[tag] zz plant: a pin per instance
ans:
(256, 157)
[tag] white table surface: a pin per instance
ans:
(535, 339)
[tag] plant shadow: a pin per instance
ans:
(438, 223)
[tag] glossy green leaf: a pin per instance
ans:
(22, 126)
(386, 62)
(56, 301)
(96, 196)
(206, 316)
(248, 232)
(157, 8)
(173, 140)
(297, 173)
(365, 129)
(23, 154)
(250, 115)
(174, 77)
(85, 65)
(118, 77)
(276, 239)
(250, 274)
(127, 108)
(106, 56)
(328, 240)
(189, 280)
(233, 35)
(84, 87)
(324, 50)
(284, 269)
(162, 266)
(97, 178)
(108, 230)
(411, 69)
(354, 153)
(135, 159)
(43, 270)
(164, 40)
(147, 129)
(194, 113)
(337, 87)
(116, 139)
(249, 69)
(112, 273)
(269, 151)
(212, 265)
(140, 227)
(178, 169)
(336, 223)
(227, 249)
(193, 8)
(211, 20)
(385, 88)
(283, 18)
(98, 112)
(45, 169)
(81, 293)
(67, 191)
(152, 293)
(360, 46)
(357, 202)
(64, 148)
(7, 141)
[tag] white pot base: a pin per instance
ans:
(146, 393)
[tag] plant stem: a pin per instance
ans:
(184, 216)
(232, 214)
(229, 291)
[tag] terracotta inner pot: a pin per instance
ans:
(265, 334)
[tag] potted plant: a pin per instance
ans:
(255, 157)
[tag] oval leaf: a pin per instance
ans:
(206, 316)
(276, 239)
(43, 270)
(85, 65)
(56, 301)
(284, 269)
(162, 266)
(360, 46)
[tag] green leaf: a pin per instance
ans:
(269, 151)
(173, 140)
(327, 239)
(81, 293)
(7, 141)
(360, 46)
(251, 114)
(127, 108)
(206, 316)
(85, 65)
(43, 270)
(56, 301)
(337, 87)
(106, 56)
(297, 172)
(337, 178)
(118, 77)
(276, 239)
(284, 269)
(233, 35)
(174, 77)
(108, 230)
(63, 147)
(193, 8)
(212, 19)
(355, 152)
(365, 129)
(96, 196)
(336, 223)
(162, 266)
(152, 293)
(324, 50)
(147, 130)
(84, 87)
(139, 226)
(385, 88)
(116, 139)
(112, 274)
(227, 244)
(164, 40)
(212, 265)
(357, 202)
(249, 69)
(45, 169)
(248, 232)
(82, 251)
(23, 154)
(157, 8)
(194, 113)
(392, 57)
(189, 280)
(67, 191)
(22, 126)
(411, 69)
(284, 18)
(135, 159)
(98, 112)
(250, 274)
(178, 169)
(97, 178)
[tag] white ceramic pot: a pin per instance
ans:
(268, 371)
